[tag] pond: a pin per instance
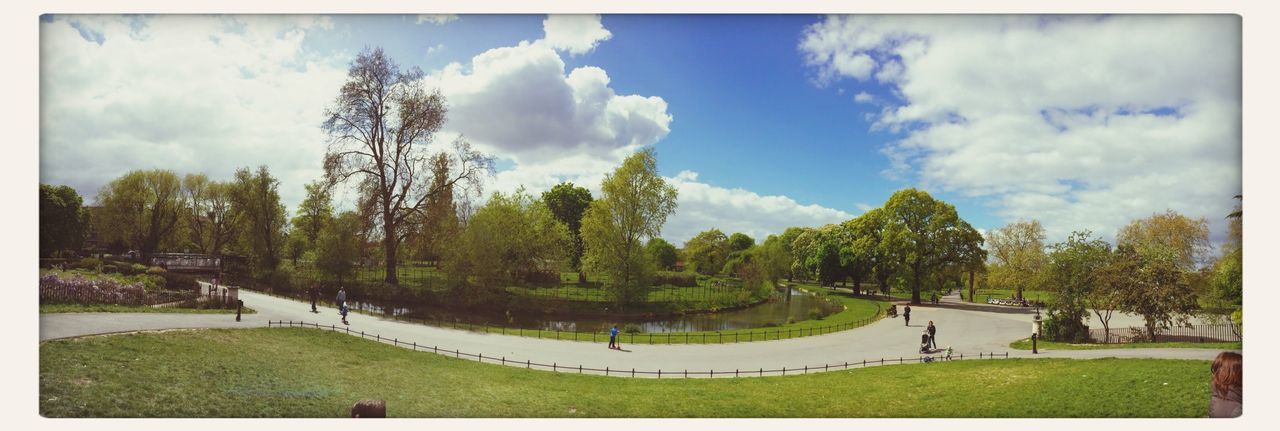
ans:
(784, 306)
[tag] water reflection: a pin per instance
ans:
(783, 307)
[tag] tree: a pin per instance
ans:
(1235, 228)
(141, 208)
(775, 258)
(569, 203)
(315, 210)
(63, 219)
(510, 240)
(438, 224)
(295, 245)
(635, 205)
(785, 243)
(1018, 253)
(1117, 275)
(255, 197)
(1163, 294)
(923, 235)
(1073, 271)
(379, 129)
(1187, 238)
(707, 252)
(859, 247)
(338, 246)
(662, 252)
(740, 241)
(195, 190)
(223, 220)
(823, 257)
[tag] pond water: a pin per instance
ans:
(783, 306)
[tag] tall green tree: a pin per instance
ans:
(1117, 275)
(63, 219)
(740, 241)
(222, 218)
(707, 252)
(338, 246)
(1164, 293)
(195, 191)
(1171, 231)
(635, 205)
(313, 212)
(1073, 271)
(923, 235)
(509, 240)
(437, 225)
(256, 197)
(786, 243)
(141, 208)
(569, 203)
(379, 130)
(662, 252)
(1018, 254)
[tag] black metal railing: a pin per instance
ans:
(632, 372)
(1185, 333)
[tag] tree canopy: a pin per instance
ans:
(569, 203)
(635, 204)
(512, 239)
(662, 252)
(1018, 252)
(141, 208)
(63, 219)
(924, 236)
(1171, 231)
(707, 252)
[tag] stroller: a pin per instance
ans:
(893, 311)
(924, 342)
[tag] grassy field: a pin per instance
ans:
(1025, 344)
(113, 308)
(856, 311)
(309, 373)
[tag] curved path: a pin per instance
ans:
(967, 328)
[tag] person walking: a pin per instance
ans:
(342, 295)
(314, 292)
(613, 337)
(1228, 386)
(933, 335)
(906, 315)
(342, 309)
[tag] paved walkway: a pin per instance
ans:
(968, 330)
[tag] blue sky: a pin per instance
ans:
(763, 121)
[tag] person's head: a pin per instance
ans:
(369, 409)
(1228, 372)
(930, 323)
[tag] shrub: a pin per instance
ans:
(155, 270)
(1065, 330)
(137, 268)
(678, 279)
(542, 278)
(277, 280)
(631, 328)
(81, 290)
(88, 263)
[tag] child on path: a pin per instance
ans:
(906, 315)
(613, 338)
(342, 309)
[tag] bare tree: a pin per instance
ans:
(380, 127)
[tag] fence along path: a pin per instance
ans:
(632, 372)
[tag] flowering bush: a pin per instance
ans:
(80, 290)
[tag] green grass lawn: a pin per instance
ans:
(1025, 344)
(113, 308)
(309, 373)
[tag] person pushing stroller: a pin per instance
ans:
(924, 341)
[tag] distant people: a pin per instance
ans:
(1228, 385)
(314, 293)
(949, 351)
(613, 337)
(342, 309)
(369, 409)
(906, 315)
(893, 310)
(933, 335)
(934, 299)
(342, 295)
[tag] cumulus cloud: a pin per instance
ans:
(575, 34)
(863, 97)
(704, 206)
(1081, 122)
(436, 19)
(195, 94)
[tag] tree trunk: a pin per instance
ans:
(389, 244)
(915, 284)
(857, 287)
(970, 286)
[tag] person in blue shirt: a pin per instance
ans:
(613, 338)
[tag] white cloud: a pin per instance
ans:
(863, 97)
(1080, 122)
(437, 19)
(195, 94)
(575, 34)
(704, 206)
(435, 49)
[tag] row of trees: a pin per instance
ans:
(913, 241)
(1160, 268)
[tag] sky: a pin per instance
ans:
(760, 121)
